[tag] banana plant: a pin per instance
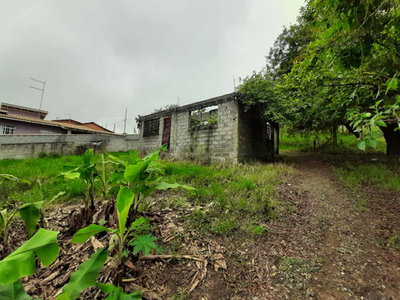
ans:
(85, 277)
(31, 212)
(21, 262)
(105, 179)
(142, 176)
(44, 245)
(5, 221)
(122, 235)
(88, 173)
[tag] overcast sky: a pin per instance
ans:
(99, 57)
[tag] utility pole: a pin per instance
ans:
(126, 113)
(42, 90)
(234, 84)
(114, 127)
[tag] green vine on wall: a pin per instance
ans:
(203, 120)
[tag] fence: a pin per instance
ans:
(30, 146)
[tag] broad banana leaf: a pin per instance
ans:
(85, 276)
(22, 261)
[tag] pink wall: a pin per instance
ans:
(17, 112)
(30, 128)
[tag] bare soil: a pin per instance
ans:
(322, 246)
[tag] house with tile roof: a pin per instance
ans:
(15, 119)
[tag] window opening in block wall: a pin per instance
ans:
(6, 129)
(205, 117)
(151, 127)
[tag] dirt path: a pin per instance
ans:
(352, 261)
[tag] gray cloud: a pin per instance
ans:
(98, 57)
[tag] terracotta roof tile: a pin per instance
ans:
(3, 105)
(54, 124)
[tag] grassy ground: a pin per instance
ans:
(376, 174)
(46, 170)
(347, 143)
(228, 214)
(226, 199)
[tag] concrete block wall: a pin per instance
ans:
(216, 143)
(238, 136)
(29, 146)
(150, 143)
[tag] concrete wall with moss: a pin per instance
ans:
(214, 143)
(236, 136)
(31, 146)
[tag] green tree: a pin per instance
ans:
(338, 66)
(352, 63)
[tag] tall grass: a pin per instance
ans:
(47, 170)
(230, 198)
(379, 175)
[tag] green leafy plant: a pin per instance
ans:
(21, 262)
(143, 175)
(105, 180)
(88, 173)
(6, 188)
(13, 291)
(85, 276)
(144, 243)
(33, 211)
(122, 235)
(44, 245)
(202, 118)
(5, 221)
(117, 293)
(140, 177)
(380, 116)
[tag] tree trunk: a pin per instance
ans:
(277, 139)
(392, 138)
(351, 130)
(334, 134)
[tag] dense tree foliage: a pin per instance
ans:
(338, 66)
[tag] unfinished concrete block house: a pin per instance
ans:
(219, 129)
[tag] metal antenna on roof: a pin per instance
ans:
(126, 112)
(42, 90)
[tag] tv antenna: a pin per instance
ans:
(42, 90)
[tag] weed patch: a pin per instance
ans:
(229, 199)
(379, 175)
